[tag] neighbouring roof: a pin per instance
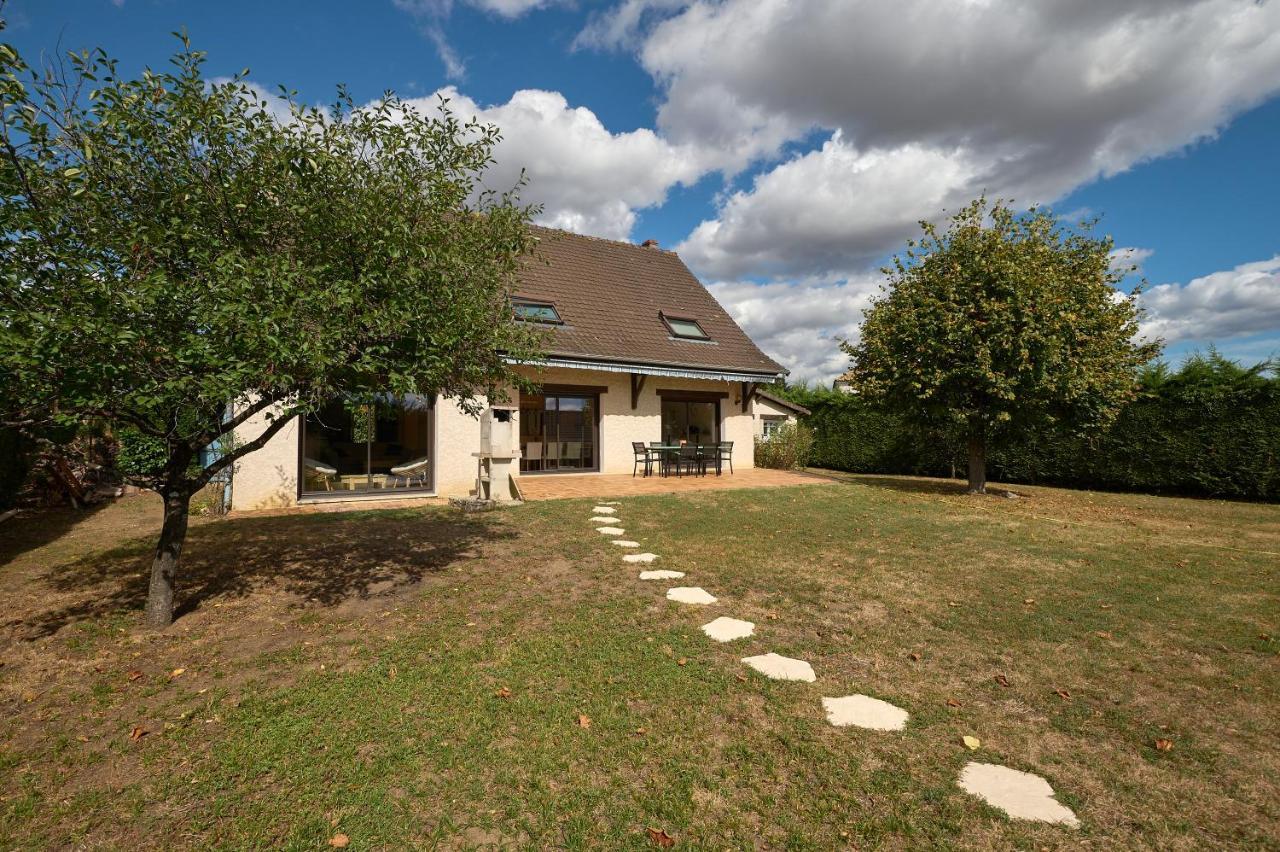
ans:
(611, 297)
(780, 402)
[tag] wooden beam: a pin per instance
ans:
(637, 385)
(748, 391)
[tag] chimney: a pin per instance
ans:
(649, 244)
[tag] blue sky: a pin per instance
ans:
(787, 148)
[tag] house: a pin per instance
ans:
(843, 383)
(772, 412)
(638, 350)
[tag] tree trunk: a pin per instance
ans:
(977, 459)
(164, 569)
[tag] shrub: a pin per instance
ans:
(788, 448)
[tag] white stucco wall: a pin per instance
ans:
(268, 478)
(764, 409)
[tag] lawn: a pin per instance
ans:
(423, 678)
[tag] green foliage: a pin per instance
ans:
(788, 448)
(139, 455)
(15, 462)
(1210, 428)
(1000, 322)
(172, 246)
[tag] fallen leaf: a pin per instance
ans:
(392, 672)
(339, 841)
(741, 677)
(914, 656)
(1063, 694)
(1103, 634)
(135, 674)
(660, 838)
(1002, 680)
(584, 721)
(505, 692)
(952, 603)
(138, 732)
(1028, 600)
(972, 743)
(1106, 606)
(176, 673)
(951, 702)
(682, 661)
(82, 738)
(1163, 744)
(641, 731)
(773, 616)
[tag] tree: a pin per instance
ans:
(181, 256)
(1001, 322)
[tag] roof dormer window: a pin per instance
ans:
(543, 312)
(686, 328)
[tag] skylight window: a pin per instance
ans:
(537, 312)
(684, 327)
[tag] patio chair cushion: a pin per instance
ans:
(319, 467)
(410, 467)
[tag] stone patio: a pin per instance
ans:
(567, 485)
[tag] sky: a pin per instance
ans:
(788, 148)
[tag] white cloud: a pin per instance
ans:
(1124, 257)
(800, 325)
(927, 103)
(623, 25)
(1232, 303)
(589, 179)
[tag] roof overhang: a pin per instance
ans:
(672, 371)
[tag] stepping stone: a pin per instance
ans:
(690, 595)
(661, 575)
(604, 519)
(1019, 794)
(640, 557)
(778, 667)
(611, 503)
(624, 543)
(863, 711)
(725, 629)
(610, 530)
(605, 510)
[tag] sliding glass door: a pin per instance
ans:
(691, 421)
(558, 432)
(359, 447)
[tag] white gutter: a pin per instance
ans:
(649, 370)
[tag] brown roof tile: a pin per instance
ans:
(609, 295)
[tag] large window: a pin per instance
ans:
(690, 420)
(558, 432)
(358, 447)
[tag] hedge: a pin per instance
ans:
(1210, 429)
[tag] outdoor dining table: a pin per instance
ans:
(700, 450)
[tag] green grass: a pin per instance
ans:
(352, 685)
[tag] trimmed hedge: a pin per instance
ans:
(1211, 429)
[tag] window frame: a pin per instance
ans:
(667, 320)
(517, 304)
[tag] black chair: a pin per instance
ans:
(662, 456)
(724, 453)
(693, 459)
(642, 457)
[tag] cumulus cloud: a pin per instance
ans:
(801, 324)
(1232, 303)
(622, 26)
(1129, 259)
(1023, 100)
(587, 178)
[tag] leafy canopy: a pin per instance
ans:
(1001, 320)
(172, 245)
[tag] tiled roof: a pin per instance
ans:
(784, 403)
(609, 295)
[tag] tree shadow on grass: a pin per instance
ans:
(323, 560)
(34, 529)
(910, 485)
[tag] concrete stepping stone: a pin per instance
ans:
(863, 711)
(725, 629)
(610, 502)
(661, 575)
(610, 530)
(690, 595)
(605, 510)
(640, 557)
(1019, 794)
(622, 542)
(778, 667)
(604, 519)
